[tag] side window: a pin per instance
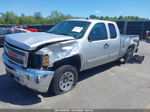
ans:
(9, 31)
(113, 33)
(98, 32)
(23, 27)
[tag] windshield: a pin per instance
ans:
(75, 29)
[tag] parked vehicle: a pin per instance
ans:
(52, 60)
(2, 28)
(147, 36)
(6, 31)
(148, 39)
(26, 28)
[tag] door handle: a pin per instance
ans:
(106, 45)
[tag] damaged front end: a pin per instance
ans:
(37, 80)
(39, 72)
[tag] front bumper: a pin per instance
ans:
(34, 79)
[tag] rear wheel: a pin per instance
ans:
(64, 80)
(128, 56)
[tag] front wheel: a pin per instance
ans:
(128, 56)
(65, 78)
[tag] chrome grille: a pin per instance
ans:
(15, 55)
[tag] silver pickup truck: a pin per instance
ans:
(52, 60)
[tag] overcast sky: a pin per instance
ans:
(81, 8)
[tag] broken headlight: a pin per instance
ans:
(45, 61)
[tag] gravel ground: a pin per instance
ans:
(112, 86)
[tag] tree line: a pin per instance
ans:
(120, 18)
(36, 18)
(53, 18)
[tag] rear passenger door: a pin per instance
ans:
(98, 45)
(114, 42)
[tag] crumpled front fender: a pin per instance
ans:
(61, 50)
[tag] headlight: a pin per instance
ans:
(45, 62)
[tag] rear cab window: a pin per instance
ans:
(112, 29)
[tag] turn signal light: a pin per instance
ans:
(45, 61)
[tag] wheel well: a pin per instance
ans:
(74, 61)
(131, 46)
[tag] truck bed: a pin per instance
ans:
(126, 40)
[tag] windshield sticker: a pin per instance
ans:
(77, 29)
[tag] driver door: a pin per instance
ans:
(98, 46)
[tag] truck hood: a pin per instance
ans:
(30, 41)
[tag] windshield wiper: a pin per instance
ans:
(49, 32)
(63, 34)
(66, 34)
(58, 33)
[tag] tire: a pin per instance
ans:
(65, 78)
(128, 56)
